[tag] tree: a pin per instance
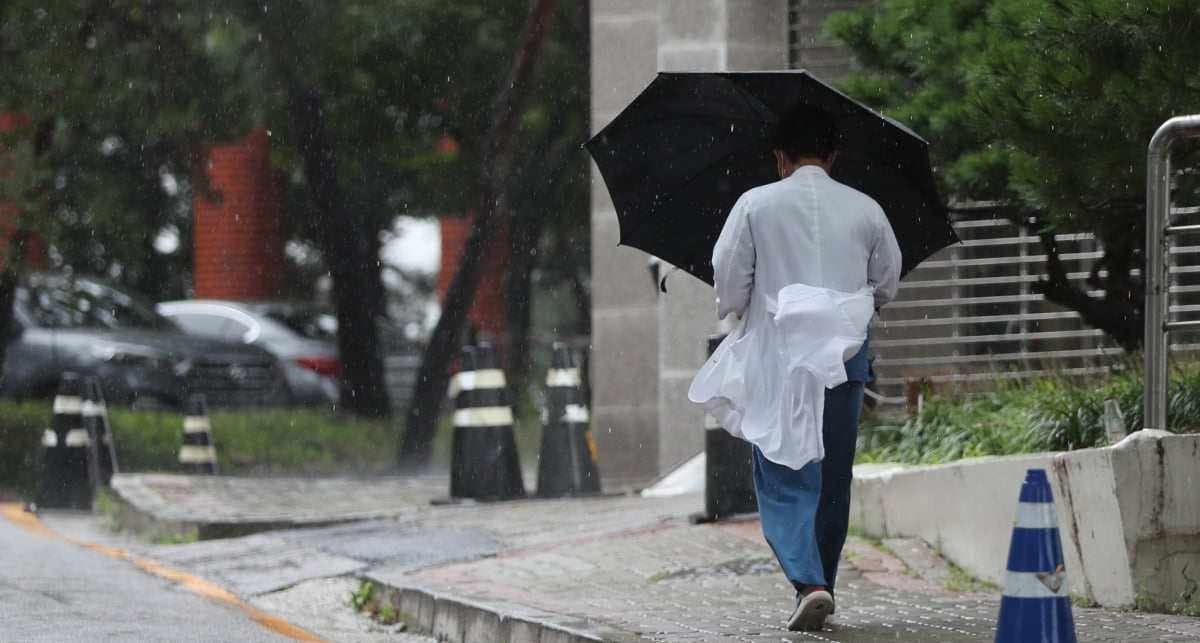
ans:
(356, 96)
(496, 163)
(1045, 108)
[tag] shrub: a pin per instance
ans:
(1027, 416)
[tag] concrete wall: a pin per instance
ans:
(624, 358)
(1127, 514)
(647, 345)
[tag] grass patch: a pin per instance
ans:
(959, 580)
(1025, 416)
(248, 443)
(264, 442)
(21, 427)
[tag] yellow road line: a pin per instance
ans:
(16, 514)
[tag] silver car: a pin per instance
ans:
(311, 367)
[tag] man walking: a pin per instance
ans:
(802, 263)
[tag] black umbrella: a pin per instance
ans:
(678, 157)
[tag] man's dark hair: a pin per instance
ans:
(806, 131)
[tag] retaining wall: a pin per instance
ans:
(1128, 514)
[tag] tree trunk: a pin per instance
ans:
(518, 299)
(8, 290)
(1120, 314)
(433, 377)
(355, 270)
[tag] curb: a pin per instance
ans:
(459, 620)
(143, 511)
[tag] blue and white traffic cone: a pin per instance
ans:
(1036, 604)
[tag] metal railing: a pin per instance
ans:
(1158, 287)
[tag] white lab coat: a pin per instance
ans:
(802, 261)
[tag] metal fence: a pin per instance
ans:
(969, 315)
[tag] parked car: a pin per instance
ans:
(401, 355)
(310, 366)
(94, 327)
(303, 336)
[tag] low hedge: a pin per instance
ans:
(248, 443)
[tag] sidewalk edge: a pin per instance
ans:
(460, 620)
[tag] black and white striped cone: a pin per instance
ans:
(1036, 603)
(95, 420)
(69, 477)
(568, 462)
(728, 469)
(197, 455)
(484, 463)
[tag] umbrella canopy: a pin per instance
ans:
(677, 158)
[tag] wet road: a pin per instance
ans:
(52, 590)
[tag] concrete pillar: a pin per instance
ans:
(238, 251)
(647, 345)
(624, 360)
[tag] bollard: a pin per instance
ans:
(568, 462)
(197, 456)
(728, 469)
(1036, 603)
(484, 463)
(69, 476)
(95, 420)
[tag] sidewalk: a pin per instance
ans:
(590, 569)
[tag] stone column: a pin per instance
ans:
(624, 360)
(647, 345)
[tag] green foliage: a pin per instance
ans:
(1049, 104)
(248, 443)
(387, 615)
(21, 427)
(1029, 416)
(264, 442)
(1045, 109)
(125, 94)
(360, 597)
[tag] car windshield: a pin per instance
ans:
(83, 303)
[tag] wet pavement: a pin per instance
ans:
(619, 568)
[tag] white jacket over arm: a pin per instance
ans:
(806, 230)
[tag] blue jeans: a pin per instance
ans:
(805, 513)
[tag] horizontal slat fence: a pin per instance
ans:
(968, 315)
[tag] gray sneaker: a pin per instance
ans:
(811, 612)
